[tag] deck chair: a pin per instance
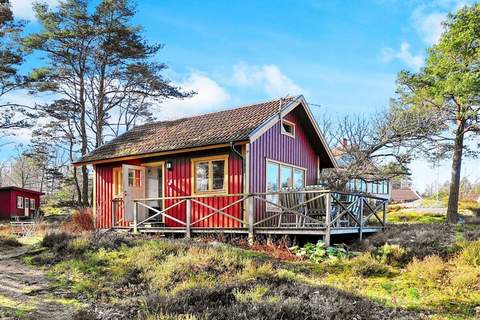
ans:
(315, 209)
(289, 198)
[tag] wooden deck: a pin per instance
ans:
(290, 212)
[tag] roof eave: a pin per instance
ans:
(156, 154)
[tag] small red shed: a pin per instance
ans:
(16, 202)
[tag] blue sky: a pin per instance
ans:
(343, 55)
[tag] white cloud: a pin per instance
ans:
(428, 25)
(427, 18)
(268, 77)
(403, 54)
(210, 96)
(23, 8)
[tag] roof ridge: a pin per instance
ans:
(156, 122)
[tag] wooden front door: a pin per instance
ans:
(133, 188)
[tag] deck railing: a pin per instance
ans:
(275, 211)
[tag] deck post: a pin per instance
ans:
(328, 218)
(135, 217)
(250, 212)
(384, 218)
(114, 208)
(360, 230)
(188, 216)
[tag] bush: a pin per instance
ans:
(9, 241)
(58, 241)
(419, 240)
(471, 254)
(367, 266)
(80, 221)
(393, 255)
(428, 270)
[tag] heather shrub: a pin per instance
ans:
(464, 278)
(393, 255)
(470, 254)
(367, 266)
(427, 270)
(8, 241)
(419, 240)
(57, 240)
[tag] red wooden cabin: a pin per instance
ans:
(18, 202)
(251, 149)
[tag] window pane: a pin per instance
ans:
(218, 168)
(201, 179)
(286, 177)
(32, 203)
(131, 178)
(272, 185)
(27, 203)
(20, 202)
(272, 177)
(299, 178)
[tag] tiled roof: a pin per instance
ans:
(203, 130)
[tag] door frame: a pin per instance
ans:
(159, 164)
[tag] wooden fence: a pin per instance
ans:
(321, 212)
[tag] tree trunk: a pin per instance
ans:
(77, 185)
(85, 197)
(452, 210)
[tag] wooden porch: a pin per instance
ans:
(289, 212)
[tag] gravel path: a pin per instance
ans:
(25, 292)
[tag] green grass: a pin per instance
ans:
(407, 216)
(447, 288)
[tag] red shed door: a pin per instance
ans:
(134, 188)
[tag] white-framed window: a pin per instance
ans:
(20, 202)
(32, 204)
(288, 128)
(210, 174)
(280, 176)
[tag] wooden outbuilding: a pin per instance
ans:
(18, 202)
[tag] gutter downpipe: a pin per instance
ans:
(232, 146)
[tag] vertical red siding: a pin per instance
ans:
(177, 183)
(8, 202)
(274, 145)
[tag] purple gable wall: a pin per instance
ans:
(274, 145)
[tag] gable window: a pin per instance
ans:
(281, 176)
(288, 128)
(19, 202)
(117, 182)
(210, 174)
